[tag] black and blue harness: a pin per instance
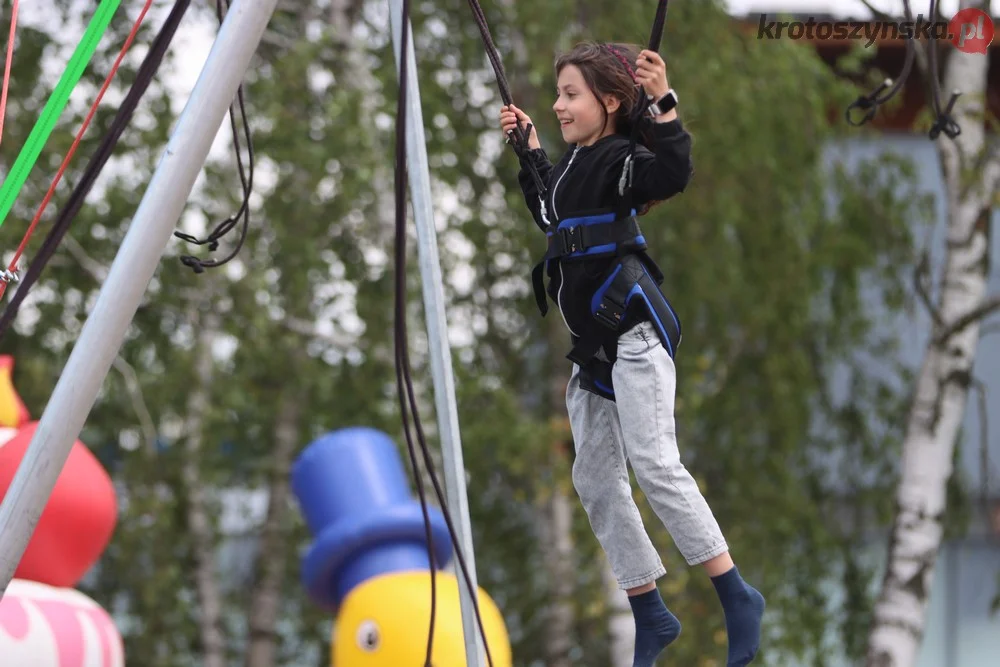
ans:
(632, 279)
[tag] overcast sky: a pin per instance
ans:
(194, 40)
(840, 8)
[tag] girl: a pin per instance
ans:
(627, 412)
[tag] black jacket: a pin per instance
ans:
(585, 182)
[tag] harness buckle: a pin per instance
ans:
(569, 238)
(610, 313)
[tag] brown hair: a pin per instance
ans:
(608, 69)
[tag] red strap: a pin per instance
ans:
(12, 268)
(10, 59)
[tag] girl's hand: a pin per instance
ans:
(651, 72)
(509, 116)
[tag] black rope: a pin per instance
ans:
(642, 103)
(518, 137)
(655, 37)
(144, 77)
(246, 181)
(944, 121)
(404, 382)
(642, 100)
(399, 330)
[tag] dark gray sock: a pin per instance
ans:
(744, 607)
(655, 627)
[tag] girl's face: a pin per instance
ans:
(579, 111)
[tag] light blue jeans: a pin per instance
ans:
(637, 427)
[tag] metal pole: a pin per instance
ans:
(437, 334)
(137, 259)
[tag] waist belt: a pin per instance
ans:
(585, 237)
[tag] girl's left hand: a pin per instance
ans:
(651, 72)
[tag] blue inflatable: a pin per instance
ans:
(353, 492)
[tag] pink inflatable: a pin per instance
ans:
(44, 626)
(44, 622)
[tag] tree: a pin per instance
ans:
(970, 164)
(767, 279)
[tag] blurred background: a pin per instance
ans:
(790, 259)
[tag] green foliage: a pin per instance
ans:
(995, 602)
(779, 261)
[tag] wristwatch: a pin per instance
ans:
(664, 104)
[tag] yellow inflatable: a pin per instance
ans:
(369, 562)
(384, 623)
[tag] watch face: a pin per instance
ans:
(664, 104)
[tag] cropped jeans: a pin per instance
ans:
(639, 428)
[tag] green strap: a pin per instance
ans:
(54, 107)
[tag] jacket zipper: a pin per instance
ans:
(555, 215)
(559, 180)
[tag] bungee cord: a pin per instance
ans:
(68, 212)
(404, 382)
(11, 272)
(870, 102)
(642, 103)
(246, 181)
(943, 120)
(518, 137)
(57, 101)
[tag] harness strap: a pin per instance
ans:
(634, 278)
(538, 283)
(589, 236)
(608, 306)
(595, 377)
(579, 239)
(611, 300)
(585, 349)
(663, 316)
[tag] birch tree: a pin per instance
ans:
(203, 532)
(313, 257)
(621, 627)
(970, 164)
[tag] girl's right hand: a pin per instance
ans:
(509, 116)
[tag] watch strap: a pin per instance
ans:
(664, 104)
